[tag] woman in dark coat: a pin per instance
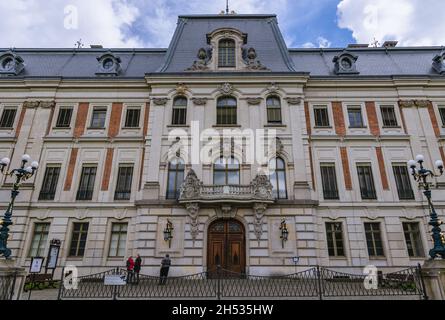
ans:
(137, 267)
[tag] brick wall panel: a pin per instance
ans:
(382, 168)
(371, 111)
(434, 121)
(107, 169)
(346, 169)
(115, 120)
(339, 119)
(71, 166)
(81, 119)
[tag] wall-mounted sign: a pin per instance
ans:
(53, 255)
(115, 280)
(36, 265)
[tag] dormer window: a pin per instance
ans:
(439, 63)
(109, 65)
(11, 64)
(226, 53)
(345, 63)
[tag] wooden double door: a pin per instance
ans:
(226, 247)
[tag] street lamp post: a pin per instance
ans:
(421, 175)
(21, 174)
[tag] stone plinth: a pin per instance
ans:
(12, 279)
(433, 272)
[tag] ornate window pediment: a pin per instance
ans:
(109, 65)
(345, 63)
(439, 63)
(11, 64)
(227, 50)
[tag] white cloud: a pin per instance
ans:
(30, 23)
(411, 22)
(321, 41)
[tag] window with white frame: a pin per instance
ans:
(355, 117)
(98, 117)
(39, 239)
(442, 114)
(132, 118)
(334, 234)
(321, 116)
(64, 117)
(8, 117)
(226, 53)
(118, 240)
(389, 117)
(374, 239)
(413, 239)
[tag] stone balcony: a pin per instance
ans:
(193, 191)
(226, 199)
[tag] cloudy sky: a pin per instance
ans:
(151, 23)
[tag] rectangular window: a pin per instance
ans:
(8, 117)
(355, 117)
(179, 115)
(39, 239)
(366, 181)
(329, 181)
(124, 180)
(132, 119)
(79, 239)
(226, 53)
(334, 233)
(49, 185)
(86, 186)
(226, 115)
(413, 239)
(403, 182)
(118, 240)
(442, 115)
(374, 239)
(98, 118)
(389, 116)
(64, 117)
(321, 116)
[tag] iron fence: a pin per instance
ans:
(313, 283)
(7, 285)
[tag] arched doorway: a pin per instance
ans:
(226, 246)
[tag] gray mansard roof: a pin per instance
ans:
(263, 34)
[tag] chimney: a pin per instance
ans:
(390, 44)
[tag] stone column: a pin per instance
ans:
(433, 272)
(9, 270)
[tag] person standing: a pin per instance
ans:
(137, 267)
(165, 266)
(130, 270)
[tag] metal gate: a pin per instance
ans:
(313, 283)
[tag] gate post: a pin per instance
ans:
(61, 284)
(218, 277)
(13, 286)
(115, 287)
(422, 282)
(320, 291)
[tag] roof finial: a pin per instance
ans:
(227, 7)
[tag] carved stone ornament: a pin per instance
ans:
(407, 103)
(193, 211)
(226, 88)
(259, 210)
(226, 212)
(262, 188)
(254, 101)
(252, 63)
(202, 63)
(294, 100)
(200, 101)
(181, 88)
(191, 188)
(414, 103)
(273, 87)
(160, 101)
(47, 104)
(31, 104)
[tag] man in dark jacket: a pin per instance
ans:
(137, 267)
(165, 266)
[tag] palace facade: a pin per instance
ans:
(101, 121)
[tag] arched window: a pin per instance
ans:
(226, 111)
(226, 53)
(273, 104)
(179, 111)
(226, 172)
(175, 178)
(278, 178)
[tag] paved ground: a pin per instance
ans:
(48, 294)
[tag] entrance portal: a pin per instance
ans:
(226, 246)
